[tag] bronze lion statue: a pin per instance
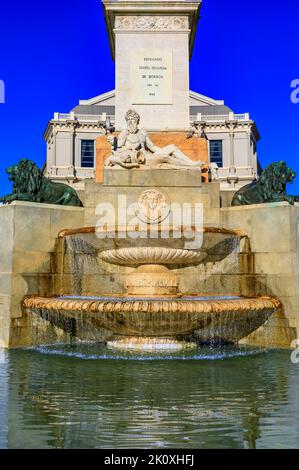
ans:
(30, 185)
(270, 187)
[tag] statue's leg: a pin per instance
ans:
(70, 199)
(110, 161)
(282, 198)
(125, 165)
(115, 160)
(180, 157)
(27, 197)
(11, 198)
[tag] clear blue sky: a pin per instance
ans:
(53, 53)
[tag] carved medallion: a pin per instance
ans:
(153, 207)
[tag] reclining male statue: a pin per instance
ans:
(135, 148)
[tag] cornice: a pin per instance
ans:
(112, 8)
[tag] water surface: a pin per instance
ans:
(89, 397)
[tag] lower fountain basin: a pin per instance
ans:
(226, 319)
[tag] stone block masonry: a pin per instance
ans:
(28, 234)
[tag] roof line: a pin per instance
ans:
(98, 98)
(205, 99)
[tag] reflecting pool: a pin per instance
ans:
(90, 397)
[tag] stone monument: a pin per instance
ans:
(53, 251)
(151, 43)
(134, 148)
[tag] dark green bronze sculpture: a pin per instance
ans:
(30, 185)
(270, 187)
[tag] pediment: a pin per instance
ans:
(104, 99)
(196, 99)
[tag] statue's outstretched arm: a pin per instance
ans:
(150, 144)
(121, 140)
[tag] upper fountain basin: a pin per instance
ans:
(174, 246)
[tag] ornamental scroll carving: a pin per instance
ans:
(152, 23)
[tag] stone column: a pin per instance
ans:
(249, 154)
(231, 125)
(54, 148)
(152, 44)
(73, 126)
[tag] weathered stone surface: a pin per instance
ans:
(277, 332)
(31, 262)
(269, 226)
(267, 265)
(28, 231)
(280, 264)
(6, 228)
(274, 237)
(123, 189)
(156, 178)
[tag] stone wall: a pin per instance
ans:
(179, 186)
(28, 234)
(34, 262)
(273, 230)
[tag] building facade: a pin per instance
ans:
(71, 140)
(151, 44)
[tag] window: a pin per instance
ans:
(216, 152)
(87, 153)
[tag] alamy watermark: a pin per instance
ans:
(152, 217)
(2, 92)
(295, 353)
(2, 355)
(295, 92)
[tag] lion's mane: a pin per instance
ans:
(27, 178)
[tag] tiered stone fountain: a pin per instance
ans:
(153, 314)
(164, 186)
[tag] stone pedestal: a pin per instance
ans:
(122, 189)
(152, 281)
(151, 43)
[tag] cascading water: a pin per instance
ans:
(151, 313)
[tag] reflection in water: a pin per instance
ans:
(87, 397)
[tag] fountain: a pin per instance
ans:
(156, 258)
(145, 286)
(152, 314)
(164, 236)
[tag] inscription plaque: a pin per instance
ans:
(152, 76)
